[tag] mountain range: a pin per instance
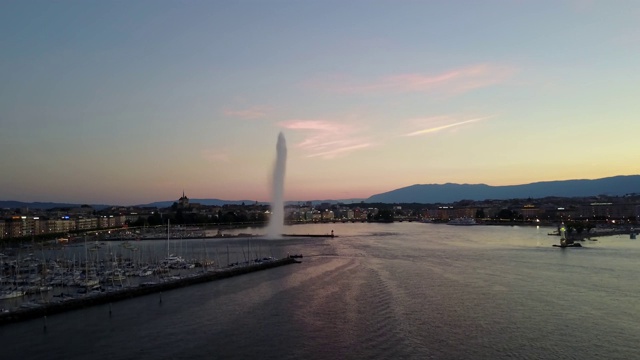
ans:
(428, 193)
(448, 193)
(11, 204)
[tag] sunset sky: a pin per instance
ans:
(129, 102)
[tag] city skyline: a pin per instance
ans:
(133, 102)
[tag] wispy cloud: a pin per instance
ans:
(340, 150)
(251, 113)
(328, 139)
(435, 124)
(451, 82)
(215, 155)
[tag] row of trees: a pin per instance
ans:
(179, 217)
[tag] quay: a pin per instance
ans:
(311, 235)
(127, 293)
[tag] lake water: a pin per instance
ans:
(378, 291)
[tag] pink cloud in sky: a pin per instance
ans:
(215, 155)
(454, 81)
(440, 123)
(327, 139)
(251, 113)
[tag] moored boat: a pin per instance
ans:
(10, 294)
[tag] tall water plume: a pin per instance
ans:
(276, 222)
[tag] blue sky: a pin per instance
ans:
(127, 102)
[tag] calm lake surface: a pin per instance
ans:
(378, 291)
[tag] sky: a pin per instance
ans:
(130, 102)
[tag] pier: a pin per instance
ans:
(143, 289)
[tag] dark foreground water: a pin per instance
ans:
(379, 291)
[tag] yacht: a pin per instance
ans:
(10, 294)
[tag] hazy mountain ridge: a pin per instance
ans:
(448, 193)
(420, 193)
(219, 202)
(207, 202)
(12, 204)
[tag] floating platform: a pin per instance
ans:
(568, 245)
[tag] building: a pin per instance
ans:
(183, 202)
(60, 225)
(86, 223)
(327, 215)
(529, 212)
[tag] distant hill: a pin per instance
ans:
(425, 194)
(448, 193)
(218, 202)
(10, 204)
(327, 201)
(208, 202)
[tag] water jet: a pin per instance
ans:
(276, 221)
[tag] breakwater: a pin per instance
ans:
(127, 293)
(310, 235)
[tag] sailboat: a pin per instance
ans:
(172, 261)
(90, 279)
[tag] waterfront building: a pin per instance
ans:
(39, 225)
(609, 210)
(327, 215)
(21, 225)
(14, 227)
(451, 212)
(529, 211)
(313, 215)
(60, 225)
(359, 214)
(133, 217)
(86, 223)
(106, 221)
(350, 214)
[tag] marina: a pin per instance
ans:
(100, 296)
(37, 280)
